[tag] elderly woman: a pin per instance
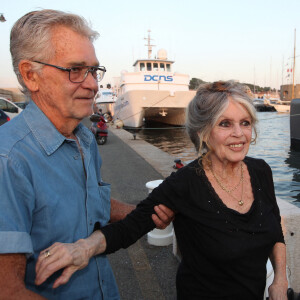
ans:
(227, 220)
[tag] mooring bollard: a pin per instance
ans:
(159, 237)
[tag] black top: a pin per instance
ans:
(224, 253)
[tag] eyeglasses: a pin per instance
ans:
(78, 74)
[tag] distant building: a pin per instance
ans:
(286, 92)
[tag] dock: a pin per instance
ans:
(142, 271)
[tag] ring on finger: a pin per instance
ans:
(47, 253)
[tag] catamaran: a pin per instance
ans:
(152, 92)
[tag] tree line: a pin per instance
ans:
(195, 82)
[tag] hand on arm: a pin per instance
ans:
(71, 257)
(278, 289)
(163, 217)
(75, 256)
(12, 274)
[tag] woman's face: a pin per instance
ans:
(231, 136)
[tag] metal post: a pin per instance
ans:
(293, 87)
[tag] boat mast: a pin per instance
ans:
(293, 87)
(149, 44)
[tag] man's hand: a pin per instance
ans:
(163, 217)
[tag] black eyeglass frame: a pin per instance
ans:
(90, 69)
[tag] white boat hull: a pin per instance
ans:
(152, 105)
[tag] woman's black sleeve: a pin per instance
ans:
(124, 233)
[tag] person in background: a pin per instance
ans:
(50, 180)
(227, 221)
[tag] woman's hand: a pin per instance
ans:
(71, 257)
(278, 291)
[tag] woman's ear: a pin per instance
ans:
(29, 75)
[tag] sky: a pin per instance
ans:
(249, 41)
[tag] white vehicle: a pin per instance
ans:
(10, 108)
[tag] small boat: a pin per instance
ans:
(152, 92)
(279, 105)
(261, 106)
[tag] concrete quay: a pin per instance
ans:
(290, 221)
(142, 271)
(148, 272)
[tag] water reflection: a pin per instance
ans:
(174, 141)
(273, 145)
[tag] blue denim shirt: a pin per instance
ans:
(46, 197)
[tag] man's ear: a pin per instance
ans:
(30, 76)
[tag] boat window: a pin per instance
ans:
(168, 67)
(142, 66)
(155, 66)
(162, 67)
(149, 67)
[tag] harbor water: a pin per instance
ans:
(273, 145)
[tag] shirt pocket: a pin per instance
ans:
(104, 193)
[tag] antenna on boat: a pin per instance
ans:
(149, 44)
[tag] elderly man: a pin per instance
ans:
(50, 181)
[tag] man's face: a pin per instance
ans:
(59, 98)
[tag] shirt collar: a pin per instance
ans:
(46, 133)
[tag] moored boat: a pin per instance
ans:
(152, 92)
(261, 106)
(279, 105)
